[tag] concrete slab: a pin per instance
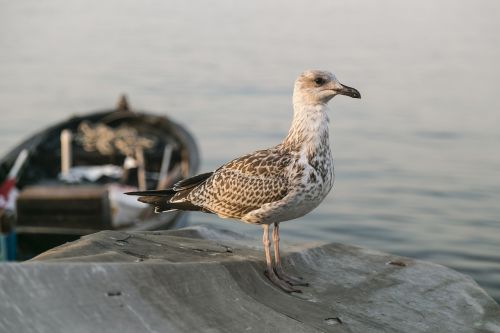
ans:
(203, 279)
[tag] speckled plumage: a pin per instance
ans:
(272, 185)
(244, 184)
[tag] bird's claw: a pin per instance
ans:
(291, 280)
(282, 284)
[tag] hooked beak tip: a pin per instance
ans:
(349, 91)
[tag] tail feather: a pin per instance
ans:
(160, 199)
(160, 204)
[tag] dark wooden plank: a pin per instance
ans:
(71, 207)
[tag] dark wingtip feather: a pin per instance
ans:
(133, 193)
(192, 181)
(157, 193)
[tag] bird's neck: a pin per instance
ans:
(309, 128)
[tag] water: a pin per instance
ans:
(417, 159)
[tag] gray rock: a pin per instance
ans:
(203, 279)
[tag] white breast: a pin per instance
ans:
(311, 172)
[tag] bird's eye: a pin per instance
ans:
(319, 81)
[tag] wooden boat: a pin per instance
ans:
(73, 180)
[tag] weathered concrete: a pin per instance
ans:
(208, 280)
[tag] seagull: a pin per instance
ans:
(273, 185)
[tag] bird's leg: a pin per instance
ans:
(269, 271)
(294, 281)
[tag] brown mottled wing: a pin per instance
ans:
(244, 184)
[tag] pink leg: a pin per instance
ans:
(294, 281)
(270, 271)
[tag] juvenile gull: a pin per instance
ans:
(272, 185)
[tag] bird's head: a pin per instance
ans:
(318, 87)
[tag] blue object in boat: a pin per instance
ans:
(8, 246)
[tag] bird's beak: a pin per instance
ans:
(348, 91)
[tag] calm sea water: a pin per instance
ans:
(417, 159)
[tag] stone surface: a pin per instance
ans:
(203, 279)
